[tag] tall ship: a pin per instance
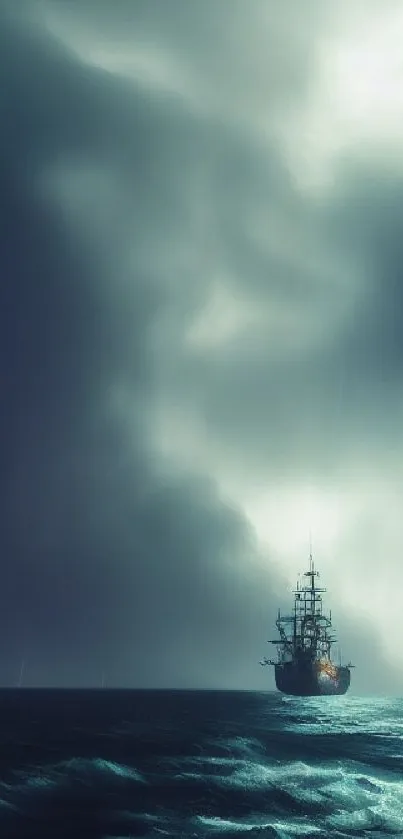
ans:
(304, 666)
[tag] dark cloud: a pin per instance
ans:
(365, 217)
(108, 563)
(121, 206)
(320, 375)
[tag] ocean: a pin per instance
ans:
(99, 764)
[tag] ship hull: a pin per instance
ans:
(313, 678)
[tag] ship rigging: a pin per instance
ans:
(304, 665)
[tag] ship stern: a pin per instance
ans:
(316, 678)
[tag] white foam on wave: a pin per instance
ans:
(244, 745)
(235, 746)
(217, 825)
(284, 830)
(336, 715)
(118, 769)
(254, 775)
(357, 800)
(92, 767)
(378, 805)
(85, 769)
(294, 775)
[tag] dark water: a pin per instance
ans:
(196, 764)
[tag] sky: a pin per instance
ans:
(201, 336)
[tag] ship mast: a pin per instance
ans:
(306, 633)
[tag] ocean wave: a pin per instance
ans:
(269, 828)
(243, 768)
(76, 768)
(245, 797)
(320, 798)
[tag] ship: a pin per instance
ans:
(304, 666)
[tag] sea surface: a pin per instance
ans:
(106, 763)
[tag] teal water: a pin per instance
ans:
(197, 764)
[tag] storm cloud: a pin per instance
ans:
(192, 340)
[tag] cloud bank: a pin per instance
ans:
(201, 343)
